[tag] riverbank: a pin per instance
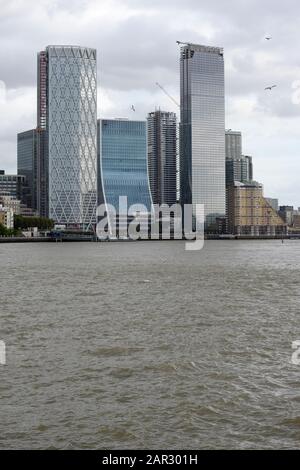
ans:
(93, 239)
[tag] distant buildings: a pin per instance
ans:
(202, 129)
(239, 167)
(287, 213)
(67, 133)
(250, 214)
(233, 145)
(122, 163)
(12, 185)
(6, 217)
(69, 160)
(162, 156)
(273, 203)
(11, 203)
(239, 170)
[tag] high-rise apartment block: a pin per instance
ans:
(250, 214)
(162, 156)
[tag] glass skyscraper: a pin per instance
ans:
(122, 163)
(202, 129)
(67, 124)
(162, 156)
(233, 144)
(27, 166)
(238, 166)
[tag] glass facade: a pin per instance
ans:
(71, 129)
(233, 144)
(239, 169)
(12, 185)
(122, 160)
(202, 129)
(27, 166)
(162, 156)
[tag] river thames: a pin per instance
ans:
(144, 345)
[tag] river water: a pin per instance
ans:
(144, 345)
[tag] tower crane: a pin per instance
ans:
(166, 93)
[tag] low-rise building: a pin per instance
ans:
(287, 214)
(6, 217)
(249, 213)
(10, 202)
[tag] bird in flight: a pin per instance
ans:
(270, 87)
(268, 38)
(133, 108)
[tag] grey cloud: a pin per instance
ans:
(137, 50)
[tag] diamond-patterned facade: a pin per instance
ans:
(72, 134)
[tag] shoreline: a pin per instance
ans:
(92, 239)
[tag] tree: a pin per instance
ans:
(23, 223)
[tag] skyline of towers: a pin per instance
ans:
(71, 149)
(202, 129)
(162, 156)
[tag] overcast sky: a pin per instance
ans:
(136, 44)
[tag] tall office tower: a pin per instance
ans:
(122, 160)
(67, 126)
(202, 129)
(233, 144)
(27, 166)
(162, 156)
(239, 169)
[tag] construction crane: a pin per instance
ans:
(166, 93)
(184, 43)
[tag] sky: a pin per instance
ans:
(136, 46)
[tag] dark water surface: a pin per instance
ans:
(145, 345)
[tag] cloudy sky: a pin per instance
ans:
(136, 43)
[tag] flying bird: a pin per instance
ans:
(268, 38)
(270, 87)
(133, 108)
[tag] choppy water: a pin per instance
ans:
(145, 345)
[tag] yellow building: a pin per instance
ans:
(249, 213)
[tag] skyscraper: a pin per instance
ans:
(162, 155)
(67, 125)
(239, 167)
(202, 129)
(122, 160)
(233, 144)
(27, 166)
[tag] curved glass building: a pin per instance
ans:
(67, 110)
(122, 160)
